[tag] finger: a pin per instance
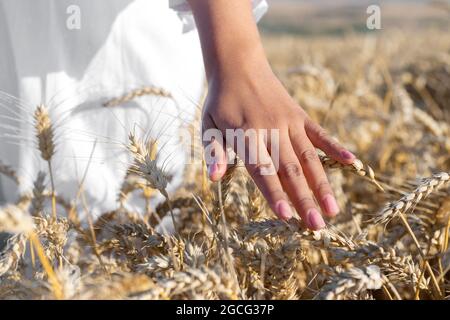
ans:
(314, 172)
(322, 140)
(218, 166)
(215, 150)
(262, 170)
(294, 182)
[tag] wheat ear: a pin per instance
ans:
(352, 281)
(144, 91)
(9, 172)
(37, 202)
(15, 220)
(357, 167)
(398, 208)
(424, 189)
(45, 135)
(145, 165)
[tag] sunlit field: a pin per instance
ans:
(384, 94)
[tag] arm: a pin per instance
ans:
(244, 93)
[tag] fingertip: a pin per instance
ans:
(347, 157)
(216, 171)
(283, 210)
(315, 220)
(213, 171)
(330, 206)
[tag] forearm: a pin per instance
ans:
(229, 36)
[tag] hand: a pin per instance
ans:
(245, 94)
(251, 97)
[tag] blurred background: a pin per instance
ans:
(383, 93)
(328, 17)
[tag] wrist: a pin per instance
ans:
(229, 36)
(244, 62)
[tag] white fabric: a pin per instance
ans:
(182, 7)
(121, 45)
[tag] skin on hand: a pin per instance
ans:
(245, 94)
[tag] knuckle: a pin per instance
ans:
(275, 195)
(323, 134)
(291, 170)
(305, 203)
(337, 147)
(309, 156)
(329, 140)
(333, 143)
(323, 188)
(297, 117)
(214, 113)
(261, 170)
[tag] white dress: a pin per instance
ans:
(75, 55)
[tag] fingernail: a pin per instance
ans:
(348, 155)
(330, 204)
(315, 220)
(283, 210)
(213, 168)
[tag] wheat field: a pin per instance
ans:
(385, 98)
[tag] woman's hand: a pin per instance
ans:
(245, 94)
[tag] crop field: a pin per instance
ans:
(385, 95)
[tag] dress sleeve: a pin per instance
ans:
(184, 12)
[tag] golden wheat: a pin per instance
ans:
(390, 107)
